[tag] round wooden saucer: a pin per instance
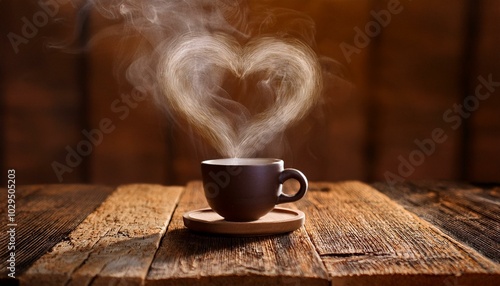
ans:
(279, 220)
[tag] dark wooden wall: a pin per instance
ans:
(426, 60)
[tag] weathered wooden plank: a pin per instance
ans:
(361, 234)
(188, 258)
(44, 216)
(464, 212)
(114, 244)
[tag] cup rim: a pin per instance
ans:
(242, 161)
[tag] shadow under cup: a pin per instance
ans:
(245, 189)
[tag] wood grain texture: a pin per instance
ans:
(46, 214)
(354, 235)
(467, 213)
(115, 244)
(188, 258)
(363, 236)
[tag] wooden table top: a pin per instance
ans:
(413, 233)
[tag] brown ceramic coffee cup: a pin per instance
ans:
(245, 189)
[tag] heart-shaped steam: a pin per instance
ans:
(193, 69)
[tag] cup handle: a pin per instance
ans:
(297, 175)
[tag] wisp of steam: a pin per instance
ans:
(192, 49)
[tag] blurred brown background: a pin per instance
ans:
(409, 76)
